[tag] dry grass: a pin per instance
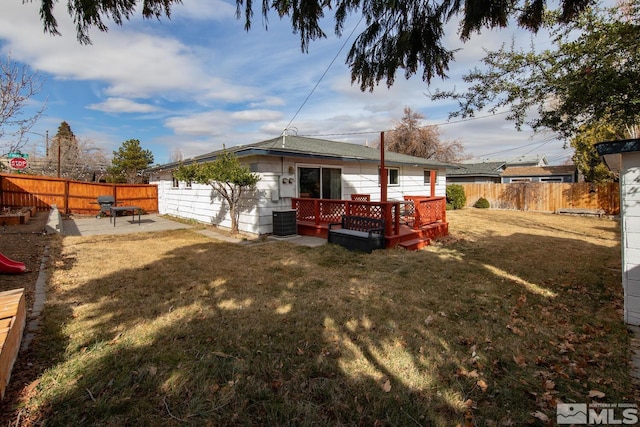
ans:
(510, 315)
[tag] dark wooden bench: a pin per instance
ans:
(358, 233)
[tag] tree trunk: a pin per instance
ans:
(233, 210)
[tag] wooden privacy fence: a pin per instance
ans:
(547, 197)
(72, 196)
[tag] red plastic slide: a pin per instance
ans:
(7, 265)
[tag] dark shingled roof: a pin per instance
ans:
(477, 169)
(304, 147)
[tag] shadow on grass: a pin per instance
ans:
(277, 334)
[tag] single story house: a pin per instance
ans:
(490, 170)
(623, 157)
(295, 170)
(476, 173)
(563, 173)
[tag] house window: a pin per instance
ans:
(174, 182)
(551, 179)
(393, 176)
(427, 176)
(187, 184)
(320, 182)
(520, 179)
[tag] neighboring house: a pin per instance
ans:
(476, 173)
(490, 170)
(623, 157)
(292, 167)
(564, 173)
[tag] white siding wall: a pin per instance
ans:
(272, 193)
(363, 179)
(630, 216)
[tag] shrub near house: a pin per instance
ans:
(456, 198)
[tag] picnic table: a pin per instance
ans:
(113, 212)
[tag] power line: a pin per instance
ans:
(389, 130)
(323, 74)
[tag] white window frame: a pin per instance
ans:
(427, 176)
(389, 183)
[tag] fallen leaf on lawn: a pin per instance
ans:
(597, 394)
(474, 374)
(549, 385)
(482, 384)
(519, 359)
(515, 330)
(541, 416)
(428, 320)
(462, 372)
(468, 419)
(221, 354)
(386, 387)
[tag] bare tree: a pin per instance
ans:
(88, 162)
(18, 85)
(67, 156)
(176, 155)
(410, 137)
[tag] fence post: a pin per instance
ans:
(66, 196)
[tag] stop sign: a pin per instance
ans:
(18, 163)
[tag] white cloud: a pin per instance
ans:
(255, 115)
(121, 105)
(203, 10)
(209, 123)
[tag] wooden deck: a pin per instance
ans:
(407, 237)
(410, 224)
(12, 323)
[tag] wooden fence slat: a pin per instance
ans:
(546, 197)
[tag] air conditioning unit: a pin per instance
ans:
(284, 223)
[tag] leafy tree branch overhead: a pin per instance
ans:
(590, 75)
(401, 35)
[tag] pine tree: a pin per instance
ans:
(129, 163)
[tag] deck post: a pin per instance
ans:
(383, 171)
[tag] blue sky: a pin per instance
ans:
(198, 81)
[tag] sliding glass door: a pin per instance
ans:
(320, 182)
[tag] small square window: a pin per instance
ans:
(393, 176)
(174, 182)
(427, 176)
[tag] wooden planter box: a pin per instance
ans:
(22, 217)
(12, 323)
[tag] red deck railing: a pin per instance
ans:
(415, 211)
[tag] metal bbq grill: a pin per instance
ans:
(105, 202)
